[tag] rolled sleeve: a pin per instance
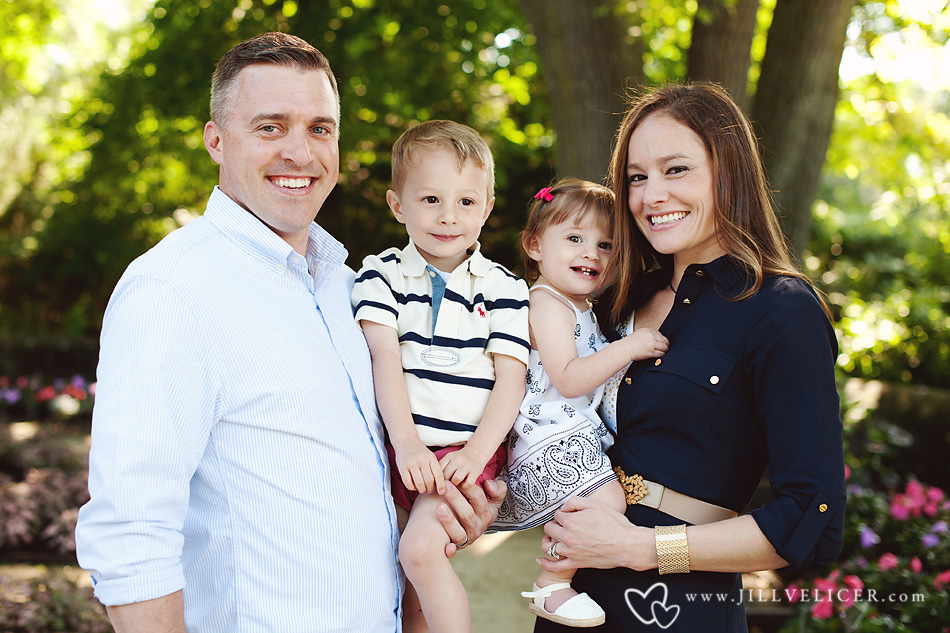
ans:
(792, 355)
(373, 297)
(157, 398)
(509, 321)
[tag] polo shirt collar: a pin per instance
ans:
(414, 265)
(251, 235)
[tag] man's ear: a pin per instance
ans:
(392, 199)
(212, 138)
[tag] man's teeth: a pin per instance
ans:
(666, 219)
(292, 183)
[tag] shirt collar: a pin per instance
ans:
(726, 271)
(256, 238)
(414, 265)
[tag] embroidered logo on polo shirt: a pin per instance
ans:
(440, 357)
(480, 309)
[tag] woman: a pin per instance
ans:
(748, 383)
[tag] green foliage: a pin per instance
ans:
(882, 238)
(148, 171)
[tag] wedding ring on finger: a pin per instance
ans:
(552, 551)
(464, 543)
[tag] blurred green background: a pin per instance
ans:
(102, 104)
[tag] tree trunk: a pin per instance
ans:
(722, 45)
(795, 103)
(588, 61)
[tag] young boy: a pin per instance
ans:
(448, 334)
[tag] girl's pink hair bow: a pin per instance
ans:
(544, 194)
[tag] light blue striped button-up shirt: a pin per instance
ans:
(236, 449)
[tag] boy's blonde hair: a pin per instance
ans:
(440, 134)
(569, 198)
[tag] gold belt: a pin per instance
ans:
(639, 491)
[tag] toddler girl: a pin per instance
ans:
(556, 448)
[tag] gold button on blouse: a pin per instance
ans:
(658, 362)
(629, 381)
(699, 273)
(714, 380)
(823, 507)
(686, 301)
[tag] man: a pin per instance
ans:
(237, 473)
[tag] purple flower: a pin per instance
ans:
(930, 540)
(78, 382)
(939, 527)
(58, 384)
(869, 537)
(10, 396)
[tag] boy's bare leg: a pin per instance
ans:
(412, 619)
(610, 493)
(422, 554)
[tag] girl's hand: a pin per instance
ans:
(419, 469)
(591, 534)
(646, 343)
(462, 466)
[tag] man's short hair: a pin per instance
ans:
(278, 49)
(434, 135)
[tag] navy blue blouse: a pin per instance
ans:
(745, 385)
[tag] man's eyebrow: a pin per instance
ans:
(281, 117)
(268, 116)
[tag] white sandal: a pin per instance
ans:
(580, 611)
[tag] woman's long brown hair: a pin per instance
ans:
(745, 219)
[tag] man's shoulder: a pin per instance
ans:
(179, 251)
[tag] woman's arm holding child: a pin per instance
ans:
(500, 414)
(552, 328)
(418, 467)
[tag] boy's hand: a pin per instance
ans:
(419, 469)
(646, 343)
(463, 466)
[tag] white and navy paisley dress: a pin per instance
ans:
(556, 447)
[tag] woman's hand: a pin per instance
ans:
(468, 511)
(590, 534)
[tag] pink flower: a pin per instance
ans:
(916, 565)
(822, 609)
(887, 562)
(793, 593)
(22, 382)
(847, 472)
(934, 494)
(901, 507)
(915, 491)
(853, 582)
(942, 579)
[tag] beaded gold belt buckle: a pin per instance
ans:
(633, 487)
